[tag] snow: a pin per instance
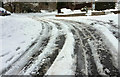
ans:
(69, 11)
(65, 57)
(46, 52)
(96, 58)
(108, 39)
(18, 32)
(85, 19)
(66, 11)
(0, 37)
(111, 42)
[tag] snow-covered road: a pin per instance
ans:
(64, 47)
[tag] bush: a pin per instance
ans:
(104, 5)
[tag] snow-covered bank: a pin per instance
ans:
(18, 32)
(104, 18)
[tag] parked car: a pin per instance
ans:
(3, 12)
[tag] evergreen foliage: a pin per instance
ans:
(104, 5)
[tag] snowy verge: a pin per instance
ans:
(18, 33)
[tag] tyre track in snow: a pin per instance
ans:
(35, 55)
(50, 59)
(104, 55)
(90, 53)
(33, 48)
(82, 49)
(47, 56)
(5, 69)
(46, 65)
(114, 28)
(47, 60)
(66, 56)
